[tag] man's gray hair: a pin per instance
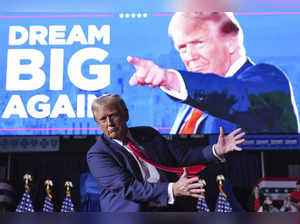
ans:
(226, 21)
(108, 99)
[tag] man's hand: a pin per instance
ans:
(188, 186)
(147, 72)
(228, 143)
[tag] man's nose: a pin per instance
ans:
(191, 52)
(109, 120)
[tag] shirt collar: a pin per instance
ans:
(236, 66)
(129, 136)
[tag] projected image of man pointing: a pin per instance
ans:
(222, 86)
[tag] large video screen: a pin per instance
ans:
(53, 65)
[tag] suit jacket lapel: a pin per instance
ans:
(142, 144)
(118, 150)
(247, 64)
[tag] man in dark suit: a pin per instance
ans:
(130, 183)
(222, 87)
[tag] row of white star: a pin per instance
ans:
(133, 15)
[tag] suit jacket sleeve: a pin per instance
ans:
(112, 176)
(258, 99)
(173, 153)
(188, 156)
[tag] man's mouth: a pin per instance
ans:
(197, 67)
(200, 69)
(112, 129)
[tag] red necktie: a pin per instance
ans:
(189, 125)
(192, 170)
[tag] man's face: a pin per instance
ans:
(298, 187)
(202, 48)
(112, 120)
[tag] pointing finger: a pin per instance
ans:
(136, 62)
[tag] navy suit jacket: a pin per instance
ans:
(258, 98)
(122, 188)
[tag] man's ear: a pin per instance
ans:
(231, 43)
